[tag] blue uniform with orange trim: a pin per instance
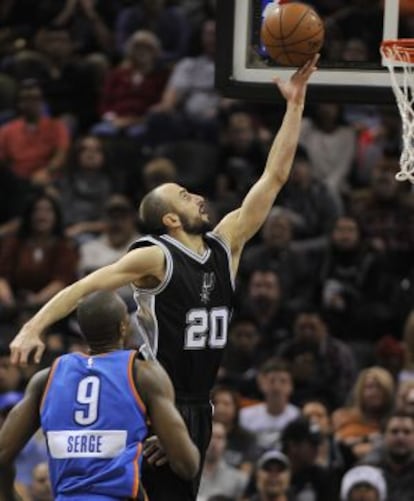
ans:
(94, 422)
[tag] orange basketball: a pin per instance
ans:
(292, 33)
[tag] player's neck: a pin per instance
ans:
(193, 242)
(104, 348)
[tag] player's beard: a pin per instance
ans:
(195, 227)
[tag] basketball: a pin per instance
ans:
(292, 33)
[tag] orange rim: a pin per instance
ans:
(400, 50)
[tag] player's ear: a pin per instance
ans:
(171, 220)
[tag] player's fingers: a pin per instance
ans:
(24, 355)
(158, 455)
(38, 353)
(14, 355)
(162, 461)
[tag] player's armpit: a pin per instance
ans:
(157, 391)
(20, 425)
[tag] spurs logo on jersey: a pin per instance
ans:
(209, 281)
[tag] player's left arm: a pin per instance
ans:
(240, 225)
(21, 424)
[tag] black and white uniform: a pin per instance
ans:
(184, 321)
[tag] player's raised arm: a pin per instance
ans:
(21, 424)
(157, 391)
(240, 225)
(137, 264)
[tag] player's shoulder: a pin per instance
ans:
(151, 379)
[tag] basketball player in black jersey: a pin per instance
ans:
(183, 278)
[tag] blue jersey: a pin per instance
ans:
(94, 422)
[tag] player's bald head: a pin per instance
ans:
(100, 317)
(155, 205)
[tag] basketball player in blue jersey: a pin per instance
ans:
(93, 411)
(183, 277)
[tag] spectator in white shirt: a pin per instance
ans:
(268, 419)
(218, 478)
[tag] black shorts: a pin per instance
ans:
(160, 482)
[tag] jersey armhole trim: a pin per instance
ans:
(131, 380)
(136, 486)
(168, 268)
(48, 383)
(226, 247)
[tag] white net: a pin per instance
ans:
(398, 57)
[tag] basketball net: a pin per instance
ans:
(400, 54)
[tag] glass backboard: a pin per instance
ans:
(350, 68)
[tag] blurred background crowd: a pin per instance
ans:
(101, 101)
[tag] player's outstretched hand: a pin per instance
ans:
(153, 452)
(26, 342)
(294, 90)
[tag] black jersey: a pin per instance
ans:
(185, 319)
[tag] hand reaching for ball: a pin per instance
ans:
(294, 90)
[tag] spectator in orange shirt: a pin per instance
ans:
(33, 146)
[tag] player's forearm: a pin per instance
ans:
(58, 307)
(282, 152)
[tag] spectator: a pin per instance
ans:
(156, 171)
(268, 419)
(330, 144)
(133, 87)
(243, 356)
(273, 476)
(218, 477)
(386, 215)
(13, 192)
(300, 441)
(41, 489)
(33, 453)
(404, 400)
(276, 252)
(10, 378)
(322, 366)
(240, 445)
(329, 455)
(396, 457)
(311, 207)
(68, 82)
(167, 22)
(390, 354)
(190, 99)
(84, 189)
(90, 24)
(264, 301)
(363, 483)
(120, 232)
(34, 146)
(381, 136)
(407, 374)
(243, 154)
(353, 285)
(358, 427)
(362, 19)
(38, 262)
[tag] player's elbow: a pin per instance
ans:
(187, 464)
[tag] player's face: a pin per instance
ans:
(192, 210)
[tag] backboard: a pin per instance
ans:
(350, 69)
